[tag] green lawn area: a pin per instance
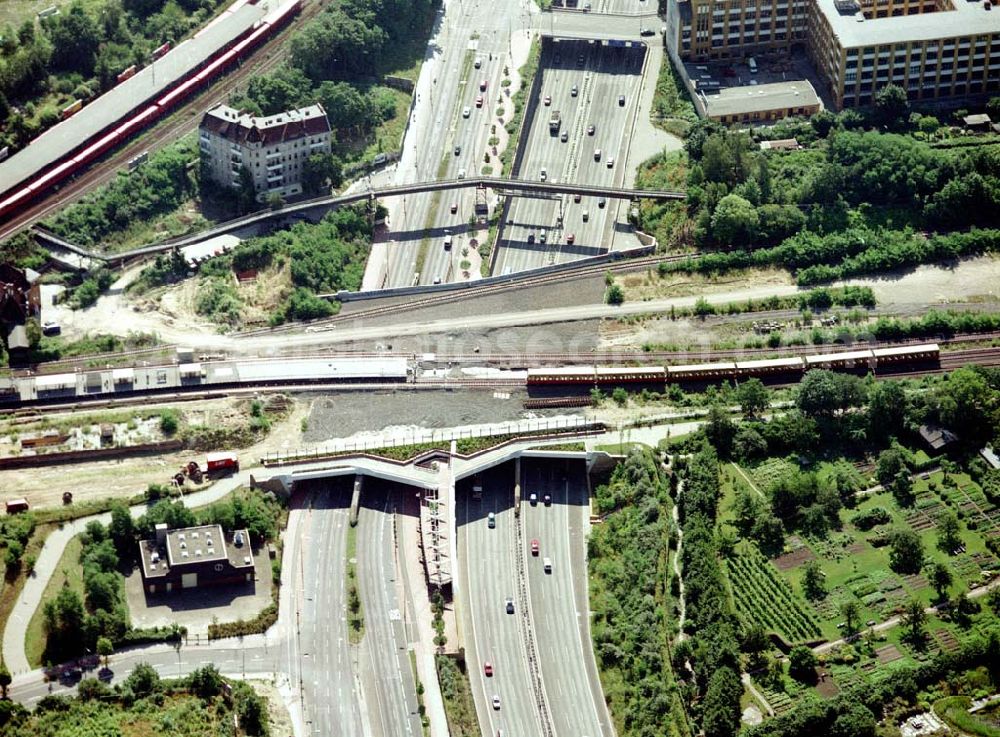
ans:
(69, 572)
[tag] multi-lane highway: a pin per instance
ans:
(595, 89)
(487, 570)
(328, 683)
(566, 676)
(384, 659)
(559, 600)
(470, 30)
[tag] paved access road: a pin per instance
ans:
(559, 600)
(600, 75)
(487, 580)
(328, 683)
(386, 673)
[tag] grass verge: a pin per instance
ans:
(456, 692)
(526, 74)
(68, 573)
(425, 723)
(355, 609)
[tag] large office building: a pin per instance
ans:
(936, 50)
(274, 149)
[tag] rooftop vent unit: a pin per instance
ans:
(184, 554)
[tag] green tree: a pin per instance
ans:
(614, 295)
(802, 664)
(891, 105)
(823, 393)
(5, 679)
(851, 613)
(940, 578)
(734, 221)
(168, 421)
(252, 711)
(619, 396)
(721, 707)
(856, 721)
(320, 172)
(890, 462)
(966, 401)
(906, 552)
(949, 536)
(813, 585)
(105, 648)
(754, 398)
(75, 39)
(887, 408)
(915, 623)
(121, 529)
(720, 429)
(143, 680)
(748, 443)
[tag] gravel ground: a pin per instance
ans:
(343, 415)
(581, 336)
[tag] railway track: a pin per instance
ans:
(948, 362)
(182, 120)
(134, 357)
(636, 264)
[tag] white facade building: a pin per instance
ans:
(274, 149)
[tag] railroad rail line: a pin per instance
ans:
(182, 120)
(636, 264)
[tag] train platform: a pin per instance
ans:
(118, 102)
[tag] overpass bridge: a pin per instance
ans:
(319, 205)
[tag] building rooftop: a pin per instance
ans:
(190, 546)
(241, 127)
(937, 437)
(760, 98)
(854, 30)
(117, 102)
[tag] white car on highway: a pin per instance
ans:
(496, 702)
(466, 111)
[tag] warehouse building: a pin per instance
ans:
(274, 149)
(763, 103)
(194, 557)
(936, 50)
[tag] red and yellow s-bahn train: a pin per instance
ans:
(16, 199)
(792, 367)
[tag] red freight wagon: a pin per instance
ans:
(221, 462)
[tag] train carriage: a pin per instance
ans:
(846, 361)
(565, 375)
(702, 372)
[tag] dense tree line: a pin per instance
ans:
(78, 54)
(712, 649)
(198, 704)
(816, 258)
(157, 187)
(627, 560)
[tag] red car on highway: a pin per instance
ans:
(534, 547)
(488, 669)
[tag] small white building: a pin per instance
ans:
(274, 148)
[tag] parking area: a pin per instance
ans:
(580, 128)
(712, 76)
(198, 607)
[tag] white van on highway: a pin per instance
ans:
(547, 565)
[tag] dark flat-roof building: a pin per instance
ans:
(193, 557)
